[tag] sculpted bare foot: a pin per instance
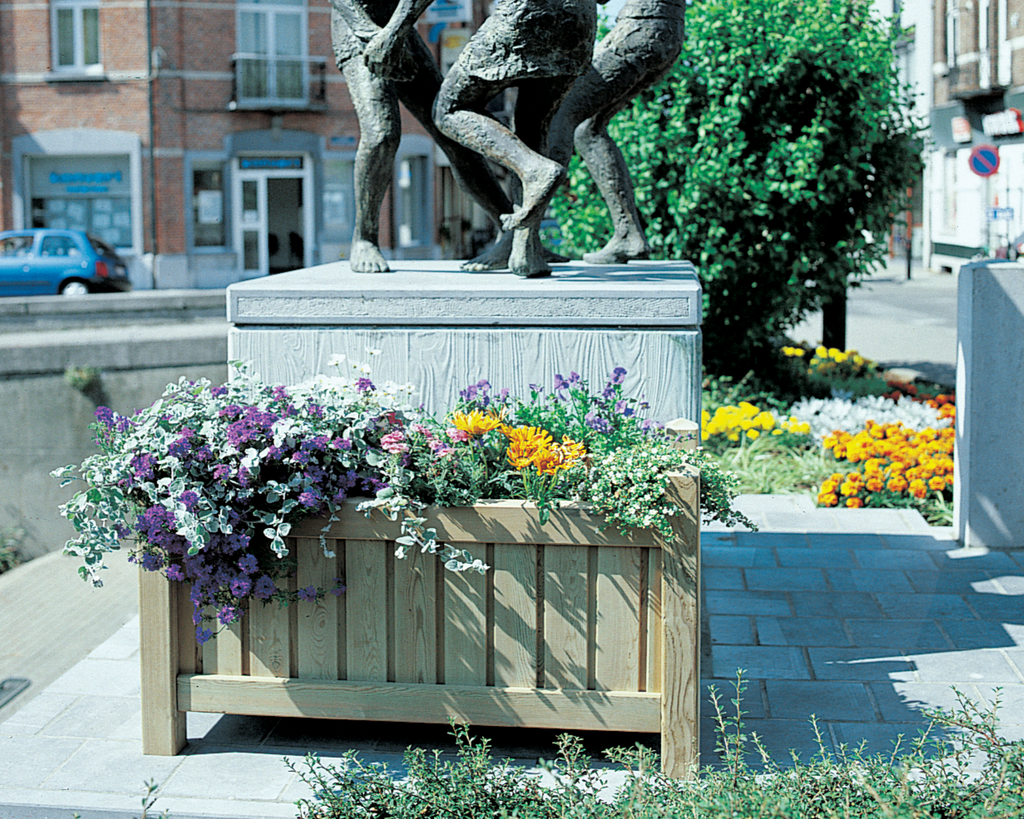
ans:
(365, 257)
(527, 259)
(494, 258)
(537, 192)
(619, 251)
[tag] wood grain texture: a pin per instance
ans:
(163, 724)
(617, 638)
(465, 628)
(415, 617)
(477, 705)
(366, 609)
(680, 600)
(661, 364)
(515, 615)
(269, 639)
(565, 617)
(316, 622)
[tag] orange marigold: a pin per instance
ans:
(937, 482)
(855, 503)
(918, 488)
(897, 484)
(828, 500)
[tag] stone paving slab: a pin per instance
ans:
(872, 628)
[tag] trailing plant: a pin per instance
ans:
(210, 480)
(11, 540)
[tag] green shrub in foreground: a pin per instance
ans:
(927, 778)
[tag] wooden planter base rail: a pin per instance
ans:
(571, 629)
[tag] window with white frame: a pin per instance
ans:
(75, 26)
(952, 34)
(271, 58)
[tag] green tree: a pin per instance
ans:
(772, 156)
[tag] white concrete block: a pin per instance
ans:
(989, 460)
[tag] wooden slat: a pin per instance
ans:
(465, 628)
(269, 639)
(190, 654)
(393, 702)
(680, 593)
(222, 654)
(503, 521)
(515, 615)
(415, 617)
(655, 634)
(316, 622)
(565, 618)
(617, 638)
(366, 610)
(163, 724)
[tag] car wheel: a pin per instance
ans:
(74, 288)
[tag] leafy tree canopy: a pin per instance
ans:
(772, 155)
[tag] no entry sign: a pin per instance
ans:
(984, 160)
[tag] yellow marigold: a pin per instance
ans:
(855, 503)
(937, 482)
(849, 488)
(828, 500)
(918, 488)
(476, 422)
(874, 484)
(829, 487)
(873, 466)
(794, 352)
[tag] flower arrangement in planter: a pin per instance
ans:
(210, 480)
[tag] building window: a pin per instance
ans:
(87, 193)
(271, 63)
(208, 204)
(413, 188)
(952, 36)
(76, 35)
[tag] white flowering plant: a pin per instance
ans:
(209, 481)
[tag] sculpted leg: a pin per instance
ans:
(376, 104)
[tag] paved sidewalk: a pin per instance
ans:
(861, 617)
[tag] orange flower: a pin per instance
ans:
(828, 500)
(938, 483)
(896, 484)
(855, 503)
(875, 484)
(918, 488)
(524, 443)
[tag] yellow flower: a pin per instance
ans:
(524, 443)
(855, 503)
(752, 434)
(476, 422)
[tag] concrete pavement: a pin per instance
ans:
(860, 617)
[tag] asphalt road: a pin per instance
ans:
(900, 323)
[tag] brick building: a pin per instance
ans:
(978, 71)
(209, 140)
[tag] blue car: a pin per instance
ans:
(44, 262)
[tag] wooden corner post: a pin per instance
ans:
(163, 725)
(680, 694)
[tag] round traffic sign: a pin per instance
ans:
(984, 160)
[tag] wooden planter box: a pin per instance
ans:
(571, 629)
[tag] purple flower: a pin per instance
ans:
(265, 588)
(174, 572)
(203, 634)
(364, 385)
(241, 586)
(574, 378)
(597, 423)
(189, 498)
(560, 383)
(310, 498)
(221, 471)
(152, 562)
(618, 375)
(248, 563)
(308, 594)
(228, 614)
(105, 415)
(623, 409)
(280, 393)
(342, 443)
(217, 392)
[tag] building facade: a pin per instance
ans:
(975, 181)
(209, 140)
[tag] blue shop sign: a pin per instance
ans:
(270, 163)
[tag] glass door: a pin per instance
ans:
(251, 222)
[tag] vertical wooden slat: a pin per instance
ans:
(465, 628)
(269, 640)
(515, 615)
(189, 652)
(565, 617)
(318, 633)
(341, 637)
(223, 653)
(617, 649)
(163, 725)
(680, 696)
(415, 618)
(366, 610)
(654, 622)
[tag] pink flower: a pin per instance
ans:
(457, 434)
(394, 442)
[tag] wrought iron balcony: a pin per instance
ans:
(262, 82)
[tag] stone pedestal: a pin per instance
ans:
(989, 462)
(442, 329)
